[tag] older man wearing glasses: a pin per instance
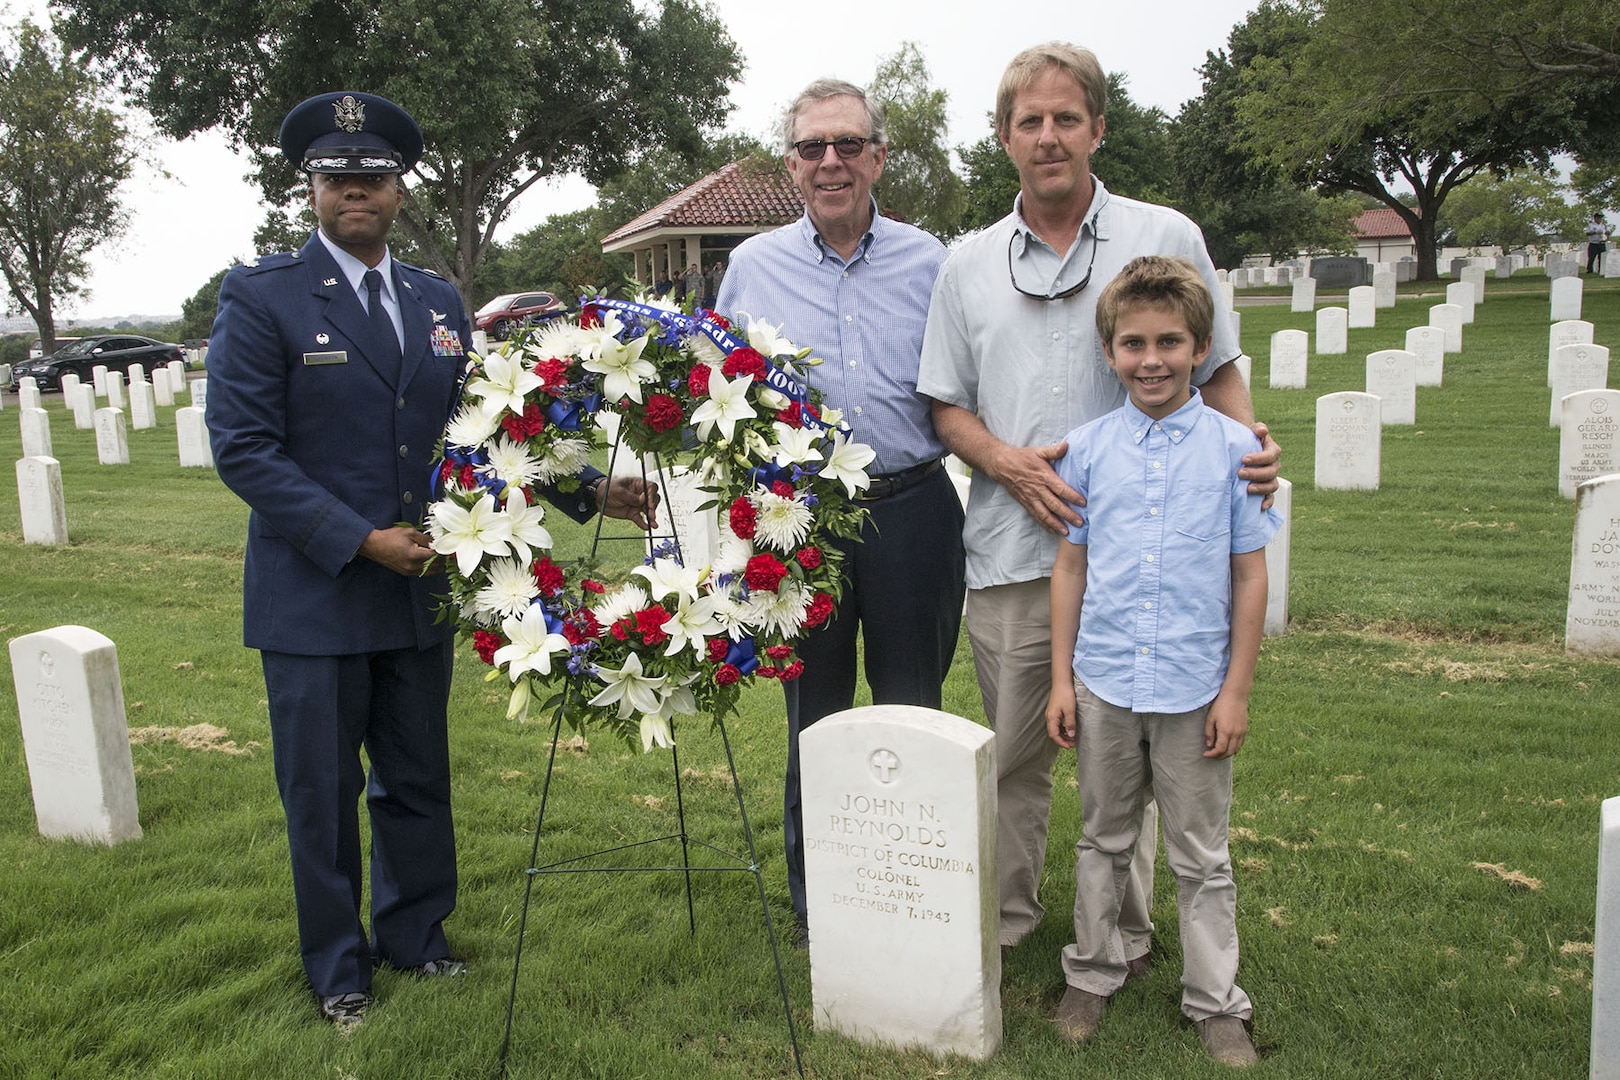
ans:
(1013, 362)
(853, 286)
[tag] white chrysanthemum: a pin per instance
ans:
(782, 523)
(471, 426)
(780, 612)
(730, 615)
(513, 462)
(565, 458)
(509, 590)
(557, 339)
(734, 553)
(625, 600)
(704, 351)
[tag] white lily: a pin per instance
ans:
(768, 340)
(531, 646)
(505, 382)
(469, 533)
(622, 368)
(690, 624)
(655, 731)
(667, 576)
(772, 399)
(727, 404)
(794, 445)
(847, 463)
(527, 532)
(655, 727)
(633, 690)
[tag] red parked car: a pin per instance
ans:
(497, 317)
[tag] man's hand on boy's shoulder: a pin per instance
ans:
(1261, 467)
(1226, 727)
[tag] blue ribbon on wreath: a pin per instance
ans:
(741, 656)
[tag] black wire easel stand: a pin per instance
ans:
(733, 863)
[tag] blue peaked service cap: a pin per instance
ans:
(350, 132)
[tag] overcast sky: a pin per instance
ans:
(187, 227)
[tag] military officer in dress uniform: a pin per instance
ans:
(332, 373)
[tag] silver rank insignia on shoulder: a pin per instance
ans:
(251, 261)
(323, 339)
(329, 282)
(351, 113)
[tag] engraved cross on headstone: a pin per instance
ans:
(884, 763)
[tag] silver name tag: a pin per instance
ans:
(313, 358)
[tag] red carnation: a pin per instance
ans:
(698, 380)
(745, 361)
(766, 671)
(782, 489)
(650, 624)
(719, 320)
(718, 647)
(743, 517)
(446, 471)
(779, 652)
(590, 317)
(792, 671)
(764, 572)
(531, 423)
(485, 643)
(553, 373)
(467, 477)
(581, 627)
(820, 608)
(792, 416)
(727, 674)
(618, 631)
(809, 557)
(663, 412)
(592, 585)
(548, 575)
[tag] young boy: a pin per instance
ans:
(1157, 606)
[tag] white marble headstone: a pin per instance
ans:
(1504, 266)
(191, 429)
(1475, 276)
(899, 862)
(1606, 948)
(1349, 439)
(1566, 298)
(1383, 286)
(39, 494)
(98, 379)
(1277, 554)
(36, 431)
(1363, 303)
(1243, 364)
(1611, 263)
(1289, 351)
(28, 393)
(1448, 317)
(1588, 445)
(115, 389)
(1576, 368)
(70, 387)
(142, 410)
(84, 407)
(1428, 344)
(1568, 332)
(698, 531)
(1392, 379)
(1239, 278)
(1229, 294)
(162, 388)
(137, 373)
(112, 440)
(1593, 622)
(177, 376)
(1304, 298)
(75, 737)
(199, 391)
(1332, 331)
(1461, 293)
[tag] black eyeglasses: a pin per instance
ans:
(1066, 293)
(815, 149)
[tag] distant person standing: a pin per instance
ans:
(1597, 241)
(716, 274)
(692, 284)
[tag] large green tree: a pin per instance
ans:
(1522, 209)
(918, 182)
(63, 154)
(1244, 208)
(1315, 112)
(507, 93)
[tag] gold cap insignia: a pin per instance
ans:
(351, 113)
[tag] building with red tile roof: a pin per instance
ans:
(1381, 236)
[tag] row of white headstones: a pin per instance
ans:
(39, 473)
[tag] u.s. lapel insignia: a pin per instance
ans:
(323, 339)
(329, 282)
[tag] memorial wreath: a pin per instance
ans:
(671, 639)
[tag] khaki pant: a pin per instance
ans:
(1010, 627)
(1121, 753)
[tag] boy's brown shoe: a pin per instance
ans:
(1227, 1041)
(1078, 1014)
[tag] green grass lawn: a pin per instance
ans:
(1415, 814)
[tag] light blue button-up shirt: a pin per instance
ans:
(864, 319)
(1165, 512)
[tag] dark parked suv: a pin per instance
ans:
(115, 352)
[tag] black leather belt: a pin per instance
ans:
(888, 484)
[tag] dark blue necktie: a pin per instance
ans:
(382, 327)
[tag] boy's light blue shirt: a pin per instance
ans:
(1165, 512)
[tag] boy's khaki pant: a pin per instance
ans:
(1120, 753)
